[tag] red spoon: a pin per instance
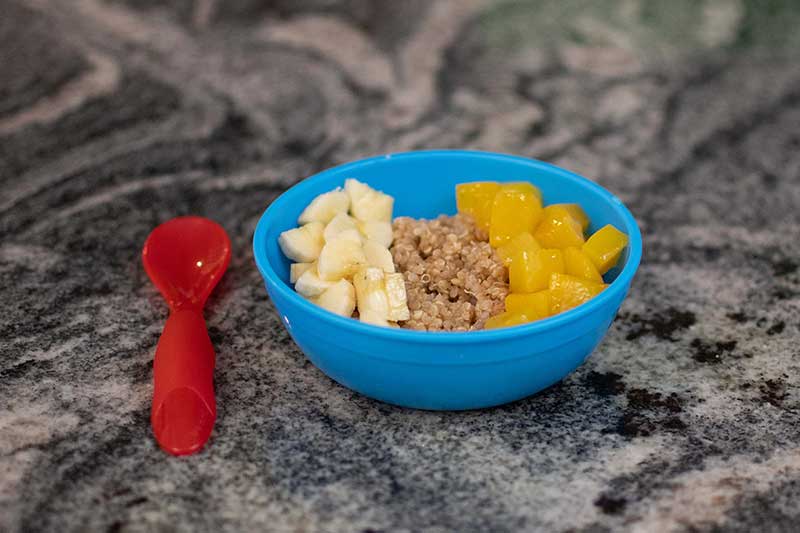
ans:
(185, 258)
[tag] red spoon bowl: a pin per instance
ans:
(185, 258)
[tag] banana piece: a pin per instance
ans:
(378, 231)
(378, 256)
(340, 298)
(356, 190)
(396, 294)
(371, 297)
(367, 204)
(374, 318)
(339, 224)
(325, 206)
(303, 244)
(351, 235)
(296, 270)
(340, 258)
(310, 285)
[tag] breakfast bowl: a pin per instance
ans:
(445, 370)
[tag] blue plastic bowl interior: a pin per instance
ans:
(445, 370)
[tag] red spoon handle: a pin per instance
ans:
(184, 408)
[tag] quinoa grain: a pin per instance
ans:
(454, 279)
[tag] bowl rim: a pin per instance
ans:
(620, 284)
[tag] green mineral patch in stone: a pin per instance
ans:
(771, 25)
(651, 29)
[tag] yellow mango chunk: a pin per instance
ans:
(476, 199)
(605, 247)
(530, 270)
(523, 241)
(505, 320)
(535, 306)
(526, 187)
(578, 264)
(575, 210)
(567, 292)
(559, 229)
(517, 208)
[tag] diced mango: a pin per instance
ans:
(558, 228)
(605, 247)
(476, 199)
(505, 320)
(578, 264)
(576, 211)
(567, 292)
(517, 208)
(535, 306)
(530, 270)
(524, 186)
(523, 241)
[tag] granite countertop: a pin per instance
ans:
(116, 115)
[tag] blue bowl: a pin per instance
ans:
(445, 371)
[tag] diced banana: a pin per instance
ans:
(378, 256)
(367, 204)
(303, 244)
(371, 297)
(396, 294)
(340, 255)
(376, 206)
(296, 270)
(340, 223)
(356, 190)
(340, 258)
(340, 298)
(350, 235)
(378, 231)
(325, 206)
(310, 285)
(373, 317)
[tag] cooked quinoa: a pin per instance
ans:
(454, 279)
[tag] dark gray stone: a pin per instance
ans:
(117, 115)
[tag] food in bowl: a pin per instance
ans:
(454, 279)
(342, 258)
(505, 259)
(551, 266)
(480, 368)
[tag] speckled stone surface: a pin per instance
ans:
(116, 115)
